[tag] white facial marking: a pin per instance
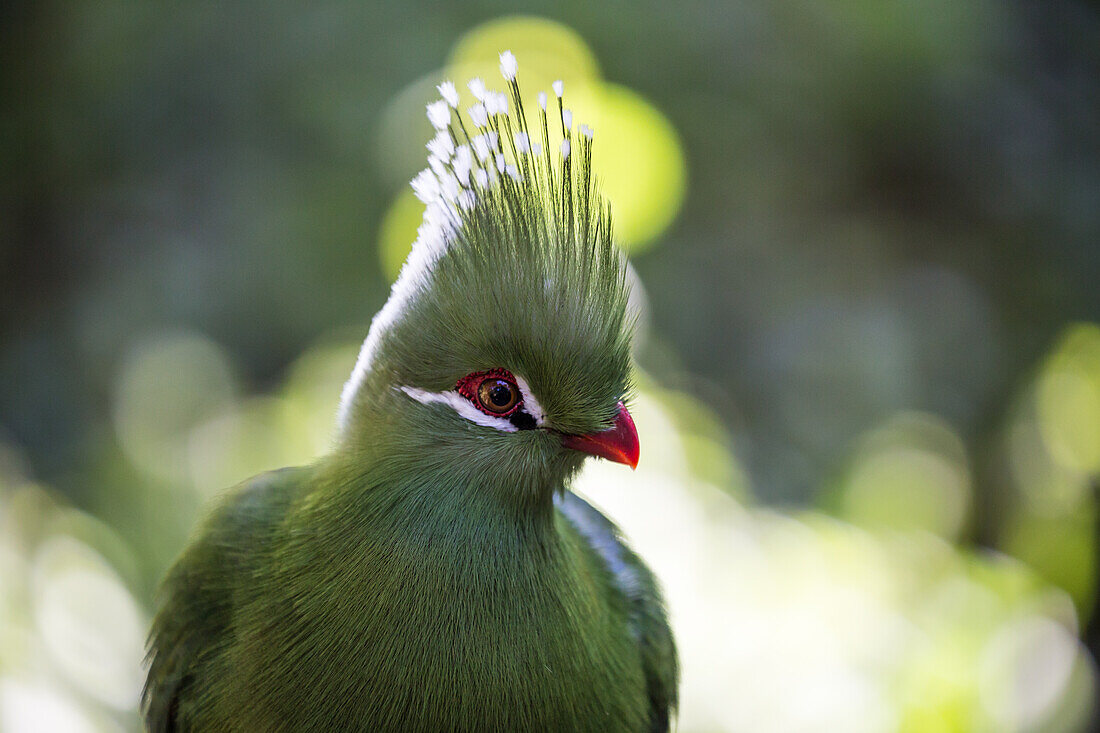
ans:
(466, 409)
(462, 406)
(530, 404)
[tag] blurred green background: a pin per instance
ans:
(867, 246)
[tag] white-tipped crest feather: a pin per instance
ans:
(459, 168)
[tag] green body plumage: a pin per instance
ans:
(434, 572)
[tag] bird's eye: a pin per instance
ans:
(497, 395)
(494, 392)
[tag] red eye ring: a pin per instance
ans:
(493, 391)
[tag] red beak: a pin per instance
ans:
(619, 444)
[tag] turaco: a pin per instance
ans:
(434, 572)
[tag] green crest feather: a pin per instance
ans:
(514, 264)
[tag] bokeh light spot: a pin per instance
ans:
(32, 707)
(241, 442)
(89, 621)
(166, 386)
(639, 165)
(1048, 488)
(547, 51)
(638, 161)
(909, 475)
(398, 231)
(1068, 400)
(1062, 549)
(1025, 671)
(312, 393)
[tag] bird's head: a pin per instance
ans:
(505, 344)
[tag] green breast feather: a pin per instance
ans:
(434, 572)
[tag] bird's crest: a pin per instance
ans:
(520, 199)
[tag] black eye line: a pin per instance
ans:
(522, 420)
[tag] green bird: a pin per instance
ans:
(434, 572)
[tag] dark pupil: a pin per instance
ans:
(500, 394)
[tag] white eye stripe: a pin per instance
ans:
(466, 409)
(530, 404)
(462, 406)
